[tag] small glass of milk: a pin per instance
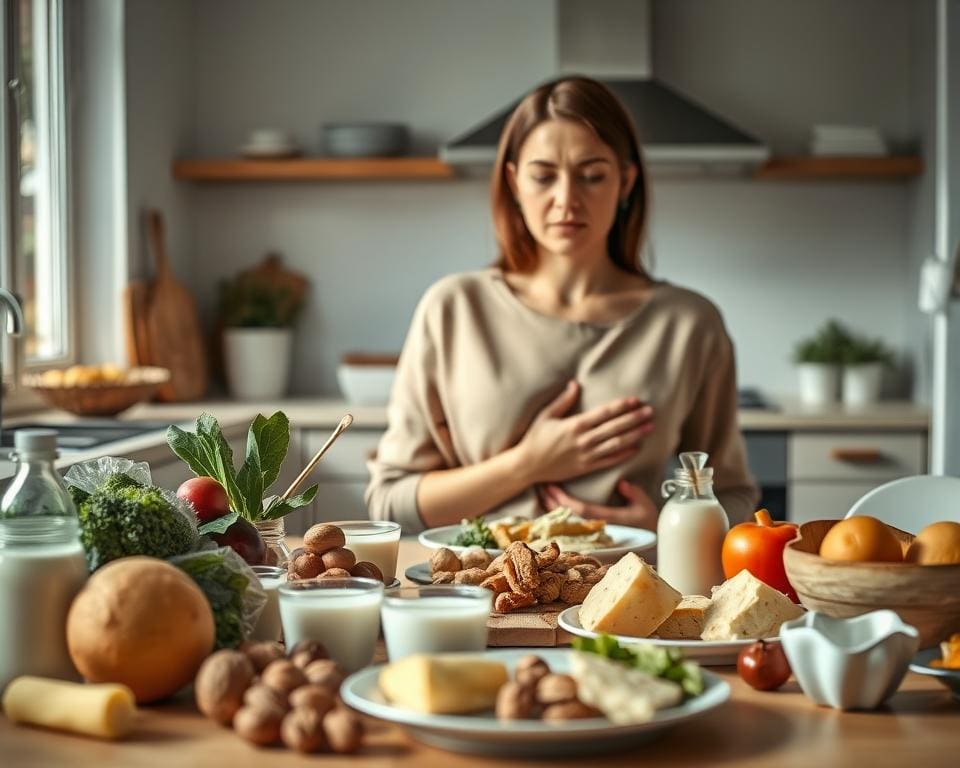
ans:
(343, 614)
(435, 618)
(268, 625)
(376, 541)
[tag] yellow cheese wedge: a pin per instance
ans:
(444, 684)
(107, 710)
(686, 621)
(631, 599)
(744, 607)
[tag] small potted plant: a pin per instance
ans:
(818, 360)
(863, 364)
(257, 310)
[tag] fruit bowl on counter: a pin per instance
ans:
(97, 390)
(924, 596)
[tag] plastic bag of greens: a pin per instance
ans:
(122, 514)
(232, 589)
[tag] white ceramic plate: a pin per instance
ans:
(950, 678)
(625, 539)
(483, 734)
(711, 653)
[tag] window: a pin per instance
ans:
(35, 263)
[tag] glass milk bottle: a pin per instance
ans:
(42, 565)
(691, 529)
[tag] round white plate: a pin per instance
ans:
(625, 539)
(949, 678)
(483, 734)
(711, 653)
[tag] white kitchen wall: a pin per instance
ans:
(779, 258)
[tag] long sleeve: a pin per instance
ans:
(712, 426)
(417, 439)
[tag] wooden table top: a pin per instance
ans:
(783, 729)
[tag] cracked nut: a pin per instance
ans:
(323, 537)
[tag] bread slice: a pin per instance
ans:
(686, 621)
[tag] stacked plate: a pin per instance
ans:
(847, 140)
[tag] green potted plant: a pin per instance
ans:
(257, 311)
(863, 363)
(818, 360)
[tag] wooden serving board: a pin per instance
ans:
(533, 627)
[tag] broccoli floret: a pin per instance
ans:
(118, 482)
(132, 520)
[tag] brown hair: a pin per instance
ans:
(593, 104)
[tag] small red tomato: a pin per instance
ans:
(763, 666)
(207, 496)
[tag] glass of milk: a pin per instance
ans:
(435, 618)
(376, 541)
(268, 625)
(343, 614)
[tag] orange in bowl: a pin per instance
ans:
(937, 544)
(861, 539)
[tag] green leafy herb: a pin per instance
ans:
(657, 661)
(475, 533)
(224, 588)
(219, 524)
(207, 453)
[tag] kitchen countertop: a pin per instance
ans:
(783, 729)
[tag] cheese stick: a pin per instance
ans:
(106, 710)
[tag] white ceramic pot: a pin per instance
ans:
(257, 361)
(819, 383)
(861, 383)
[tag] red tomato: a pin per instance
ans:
(207, 496)
(763, 666)
(758, 548)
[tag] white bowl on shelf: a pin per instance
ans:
(366, 384)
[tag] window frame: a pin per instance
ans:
(53, 20)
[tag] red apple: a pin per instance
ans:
(245, 540)
(207, 497)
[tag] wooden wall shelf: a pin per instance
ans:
(312, 169)
(840, 168)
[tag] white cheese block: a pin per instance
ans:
(686, 621)
(631, 599)
(447, 684)
(744, 607)
(623, 694)
(107, 710)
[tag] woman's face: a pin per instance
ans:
(568, 184)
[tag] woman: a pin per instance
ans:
(566, 375)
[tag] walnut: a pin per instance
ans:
(472, 576)
(302, 730)
(444, 560)
(323, 537)
(259, 725)
(262, 653)
(306, 651)
(549, 589)
(283, 675)
(443, 577)
(344, 730)
(325, 673)
(548, 555)
(554, 689)
(308, 565)
(514, 702)
(574, 592)
(366, 570)
(475, 557)
(315, 697)
(570, 710)
(496, 583)
(529, 670)
(335, 573)
(338, 557)
(264, 697)
(220, 684)
(509, 601)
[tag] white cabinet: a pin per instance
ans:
(342, 476)
(829, 471)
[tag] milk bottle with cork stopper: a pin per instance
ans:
(42, 565)
(691, 529)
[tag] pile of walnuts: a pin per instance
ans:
(325, 556)
(536, 692)
(520, 576)
(269, 698)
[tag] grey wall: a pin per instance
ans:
(778, 257)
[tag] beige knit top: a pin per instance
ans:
(478, 365)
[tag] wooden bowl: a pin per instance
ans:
(926, 596)
(102, 399)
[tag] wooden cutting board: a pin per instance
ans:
(174, 335)
(135, 299)
(533, 627)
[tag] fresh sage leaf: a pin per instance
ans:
(219, 524)
(272, 439)
(277, 508)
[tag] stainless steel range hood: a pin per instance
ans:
(672, 129)
(611, 40)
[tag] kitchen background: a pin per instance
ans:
(191, 78)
